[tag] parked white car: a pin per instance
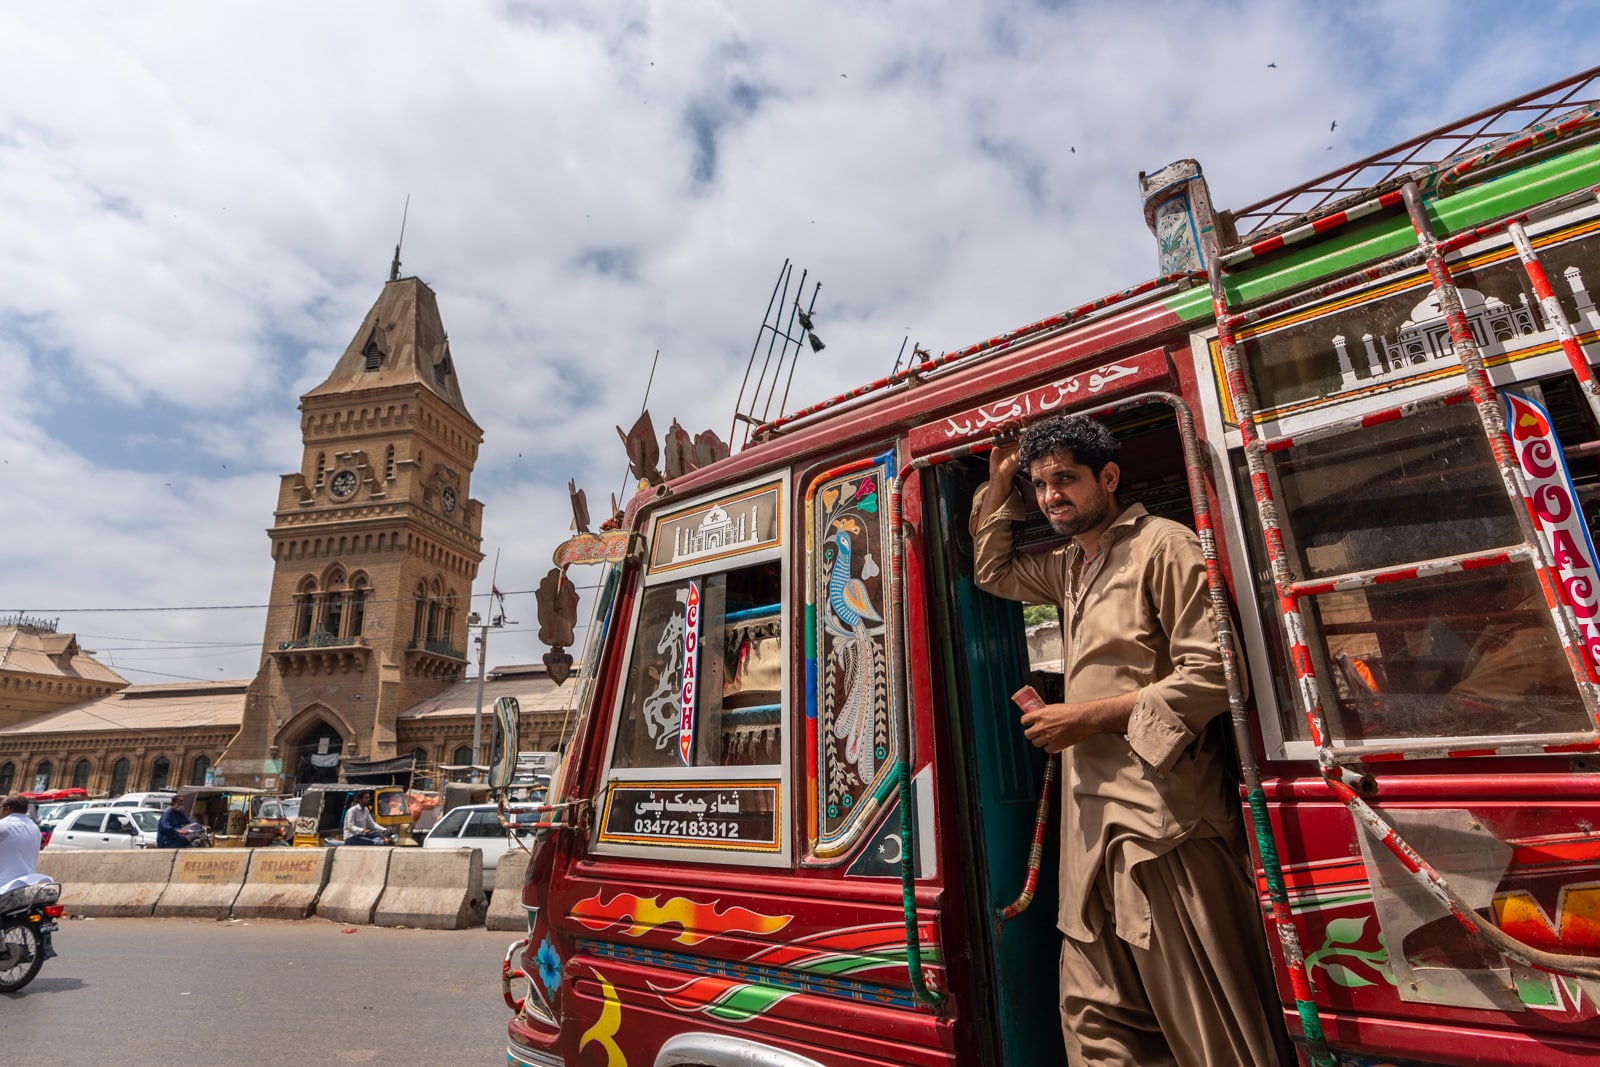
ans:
(141, 800)
(478, 826)
(106, 828)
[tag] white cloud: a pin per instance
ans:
(198, 205)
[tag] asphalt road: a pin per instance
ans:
(263, 993)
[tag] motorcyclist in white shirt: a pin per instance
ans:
(360, 828)
(19, 843)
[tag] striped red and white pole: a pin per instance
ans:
(1556, 319)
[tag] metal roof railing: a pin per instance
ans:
(1439, 148)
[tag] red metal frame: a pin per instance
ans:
(1535, 548)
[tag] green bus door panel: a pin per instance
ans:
(984, 648)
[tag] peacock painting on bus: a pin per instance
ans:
(853, 725)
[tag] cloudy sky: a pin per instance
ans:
(198, 204)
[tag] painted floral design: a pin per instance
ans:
(549, 967)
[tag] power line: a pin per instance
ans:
(163, 674)
(215, 646)
(165, 640)
(241, 607)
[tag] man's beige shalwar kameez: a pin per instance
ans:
(1164, 960)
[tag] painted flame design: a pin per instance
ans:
(697, 922)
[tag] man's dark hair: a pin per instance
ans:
(16, 802)
(1078, 436)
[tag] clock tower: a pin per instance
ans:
(375, 545)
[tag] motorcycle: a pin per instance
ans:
(28, 915)
(199, 835)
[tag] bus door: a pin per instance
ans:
(1426, 575)
(986, 653)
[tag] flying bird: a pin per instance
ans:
(1334, 125)
(1073, 149)
(1274, 66)
(804, 317)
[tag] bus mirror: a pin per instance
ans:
(504, 744)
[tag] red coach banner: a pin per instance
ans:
(1074, 391)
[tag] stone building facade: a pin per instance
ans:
(375, 545)
(375, 542)
(41, 670)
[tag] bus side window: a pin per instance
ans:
(718, 638)
(1471, 653)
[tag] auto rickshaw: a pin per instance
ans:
(223, 810)
(322, 808)
(272, 820)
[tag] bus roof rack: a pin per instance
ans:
(1441, 148)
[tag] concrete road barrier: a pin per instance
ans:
(433, 888)
(110, 883)
(505, 905)
(204, 882)
(355, 883)
(283, 883)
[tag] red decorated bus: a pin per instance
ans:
(795, 824)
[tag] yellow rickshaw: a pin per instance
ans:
(223, 810)
(322, 808)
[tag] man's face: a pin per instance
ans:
(1072, 498)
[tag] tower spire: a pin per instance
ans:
(394, 267)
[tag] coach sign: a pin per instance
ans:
(1556, 510)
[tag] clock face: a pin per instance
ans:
(448, 498)
(342, 484)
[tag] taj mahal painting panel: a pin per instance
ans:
(730, 526)
(1392, 334)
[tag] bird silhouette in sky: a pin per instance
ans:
(1334, 125)
(1274, 66)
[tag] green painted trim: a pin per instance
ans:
(1473, 206)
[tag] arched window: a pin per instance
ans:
(435, 613)
(160, 770)
(447, 625)
(305, 607)
(333, 605)
(419, 621)
(358, 605)
(119, 776)
(462, 757)
(197, 771)
(8, 776)
(41, 775)
(388, 465)
(322, 467)
(80, 774)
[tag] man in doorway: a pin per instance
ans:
(1164, 959)
(360, 828)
